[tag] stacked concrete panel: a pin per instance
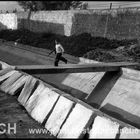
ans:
(76, 122)
(27, 90)
(15, 87)
(58, 115)
(5, 76)
(44, 102)
(62, 115)
(10, 80)
(104, 128)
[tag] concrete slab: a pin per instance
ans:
(84, 82)
(5, 76)
(76, 122)
(5, 65)
(103, 128)
(7, 90)
(73, 68)
(10, 81)
(44, 102)
(130, 133)
(124, 100)
(30, 104)
(4, 71)
(27, 90)
(58, 115)
(17, 85)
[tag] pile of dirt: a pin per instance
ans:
(83, 45)
(129, 53)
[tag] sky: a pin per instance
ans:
(11, 5)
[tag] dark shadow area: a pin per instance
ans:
(121, 114)
(18, 91)
(41, 26)
(103, 88)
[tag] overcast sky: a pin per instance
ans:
(11, 5)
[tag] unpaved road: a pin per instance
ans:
(14, 115)
(12, 112)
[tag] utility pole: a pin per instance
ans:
(107, 21)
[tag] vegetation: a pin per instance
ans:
(51, 5)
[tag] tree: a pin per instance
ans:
(49, 5)
(28, 5)
(84, 6)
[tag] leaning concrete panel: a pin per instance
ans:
(17, 85)
(30, 104)
(10, 81)
(124, 98)
(84, 82)
(59, 114)
(129, 133)
(103, 128)
(76, 122)
(5, 76)
(44, 102)
(26, 91)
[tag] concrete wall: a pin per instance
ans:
(8, 21)
(122, 23)
(59, 22)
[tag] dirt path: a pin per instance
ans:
(15, 60)
(12, 112)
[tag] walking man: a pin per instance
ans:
(59, 50)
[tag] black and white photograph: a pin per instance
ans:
(70, 69)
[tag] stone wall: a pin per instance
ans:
(121, 23)
(59, 22)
